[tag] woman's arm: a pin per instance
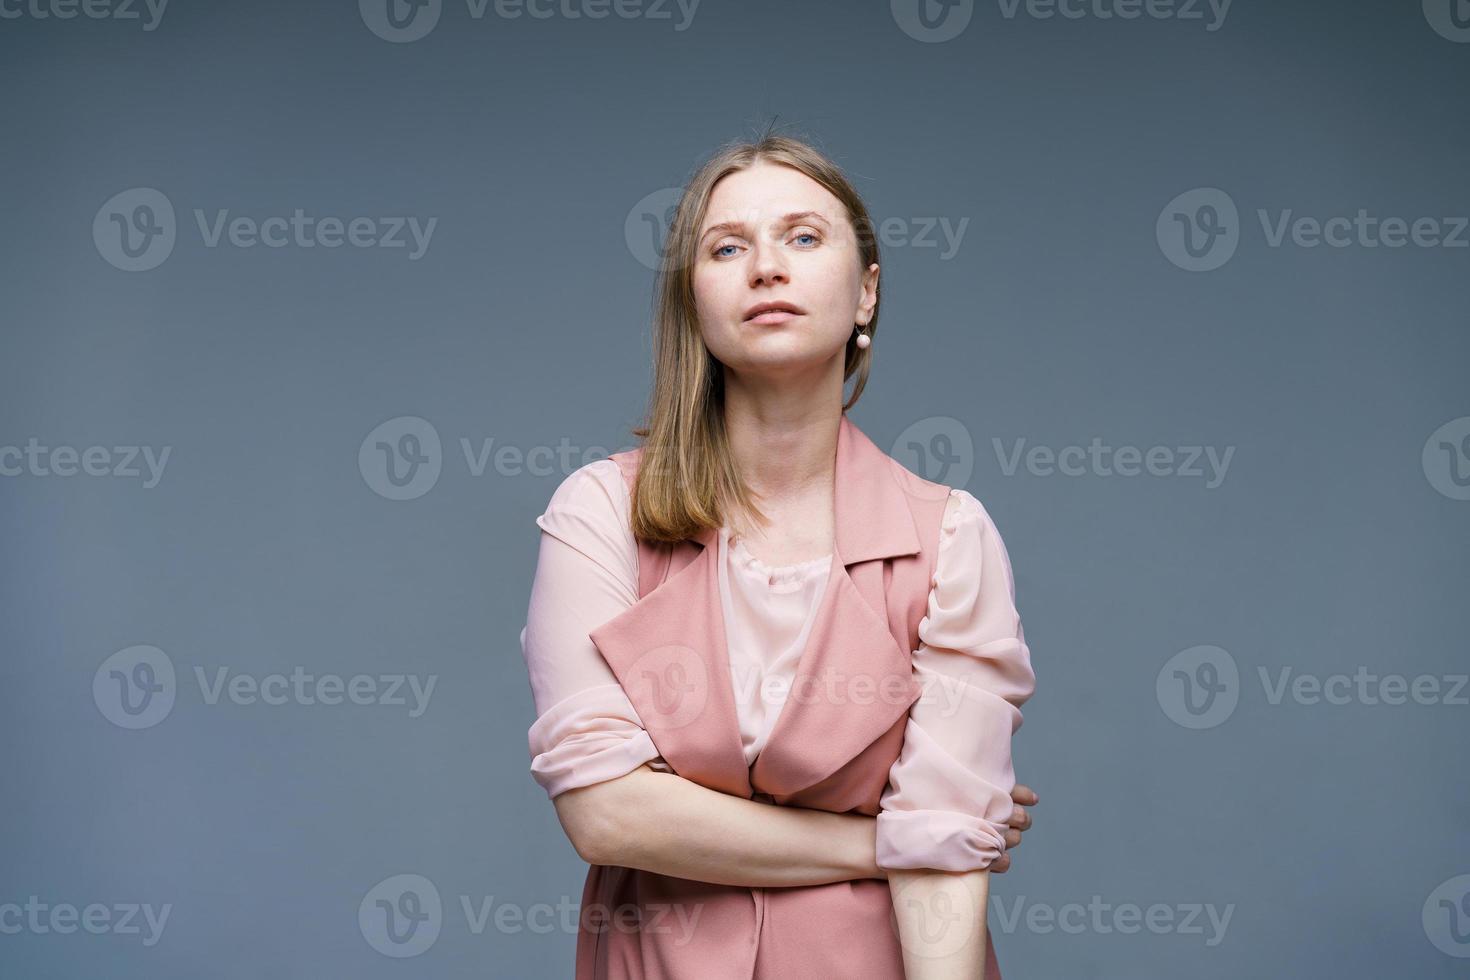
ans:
(950, 810)
(689, 831)
(664, 823)
(941, 922)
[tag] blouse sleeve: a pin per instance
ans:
(586, 730)
(948, 800)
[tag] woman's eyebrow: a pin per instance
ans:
(791, 218)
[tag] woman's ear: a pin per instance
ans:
(869, 298)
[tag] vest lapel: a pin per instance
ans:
(668, 652)
(852, 683)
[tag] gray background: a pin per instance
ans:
(1331, 832)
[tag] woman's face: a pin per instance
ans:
(771, 234)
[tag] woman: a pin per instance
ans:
(779, 732)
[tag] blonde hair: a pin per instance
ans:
(687, 481)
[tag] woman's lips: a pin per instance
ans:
(773, 316)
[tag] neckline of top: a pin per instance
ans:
(742, 553)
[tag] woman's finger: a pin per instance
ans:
(1024, 794)
(1020, 819)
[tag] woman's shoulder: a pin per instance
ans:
(970, 546)
(966, 518)
(599, 479)
(590, 511)
(964, 508)
(595, 491)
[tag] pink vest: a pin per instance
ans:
(830, 748)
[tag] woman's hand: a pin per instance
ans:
(1020, 822)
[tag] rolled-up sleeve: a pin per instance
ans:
(948, 800)
(586, 730)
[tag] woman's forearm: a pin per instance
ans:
(664, 823)
(941, 922)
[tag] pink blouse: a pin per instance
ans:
(947, 803)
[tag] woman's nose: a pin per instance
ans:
(767, 264)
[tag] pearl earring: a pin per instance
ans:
(863, 340)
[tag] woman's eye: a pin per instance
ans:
(720, 253)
